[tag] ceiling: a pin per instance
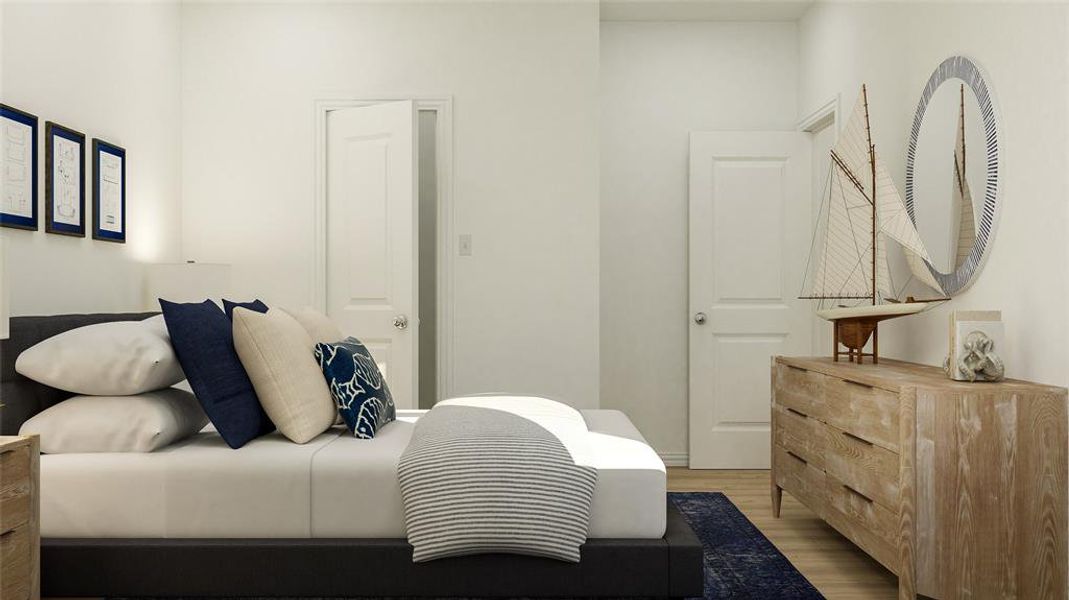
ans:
(703, 10)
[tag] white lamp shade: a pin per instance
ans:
(185, 282)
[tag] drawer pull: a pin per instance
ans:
(7, 533)
(797, 368)
(857, 439)
(798, 458)
(858, 384)
(797, 412)
(857, 493)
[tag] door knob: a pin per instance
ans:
(699, 318)
(400, 322)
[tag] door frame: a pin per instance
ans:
(443, 106)
(824, 116)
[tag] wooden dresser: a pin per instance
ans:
(20, 536)
(958, 488)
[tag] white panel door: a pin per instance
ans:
(749, 239)
(372, 242)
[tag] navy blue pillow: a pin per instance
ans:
(203, 340)
(255, 305)
(358, 388)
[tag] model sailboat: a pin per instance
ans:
(861, 210)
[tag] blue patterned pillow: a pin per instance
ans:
(358, 388)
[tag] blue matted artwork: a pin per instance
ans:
(109, 192)
(64, 180)
(18, 207)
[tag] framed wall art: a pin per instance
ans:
(64, 180)
(109, 192)
(18, 152)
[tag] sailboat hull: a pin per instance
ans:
(854, 325)
(878, 312)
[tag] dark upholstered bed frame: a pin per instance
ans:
(670, 567)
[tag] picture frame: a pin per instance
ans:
(109, 192)
(64, 180)
(18, 153)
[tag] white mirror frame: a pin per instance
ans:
(960, 67)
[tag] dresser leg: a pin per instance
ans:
(777, 499)
(906, 590)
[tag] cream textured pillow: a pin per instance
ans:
(318, 325)
(141, 423)
(121, 358)
(277, 353)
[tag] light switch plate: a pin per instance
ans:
(464, 244)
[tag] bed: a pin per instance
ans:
(320, 519)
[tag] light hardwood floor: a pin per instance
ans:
(831, 563)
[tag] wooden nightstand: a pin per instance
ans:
(20, 511)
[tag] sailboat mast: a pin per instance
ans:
(872, 194)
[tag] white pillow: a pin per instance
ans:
(318, 325)
(107, 359)
(278, 354)
(140, 423)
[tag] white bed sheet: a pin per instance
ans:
(336, 486)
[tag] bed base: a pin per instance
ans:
(670, 567)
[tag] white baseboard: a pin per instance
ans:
(675, 459)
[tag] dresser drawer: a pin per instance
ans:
(867, 412)
(15, 564)
(801, 390)
(868, 524)
(862, 465)
(801, 435)
(804, 481)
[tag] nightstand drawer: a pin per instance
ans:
(14, 467)
(14, 507)
(801, 479)
(867, 412)
(15, 564)
(800, 434)
(862, 465)
(14, 488)
(801, 390)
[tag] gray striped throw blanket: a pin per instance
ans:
(497, 475)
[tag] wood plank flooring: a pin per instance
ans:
(831, 563)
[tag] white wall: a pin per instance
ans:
(523, 77)
(109, 71)
(659, 82)
(1023, 48)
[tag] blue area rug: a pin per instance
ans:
(740, 562)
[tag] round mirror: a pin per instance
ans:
(952, 172)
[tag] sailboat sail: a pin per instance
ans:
(896, 224)
(844, 267)
(962, 195)
(845, 259)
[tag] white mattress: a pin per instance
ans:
(335, 486)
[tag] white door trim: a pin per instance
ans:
(443, 105)
(826, 114)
